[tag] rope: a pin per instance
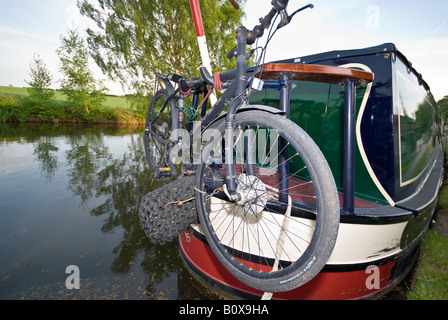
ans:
(190, 113)
(200, 191)
(218, 84)
(185, 93)
(280, 243)
(180, 202)
(205, 98)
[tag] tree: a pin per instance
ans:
(79, 85)
(135, 38)
(443, 105)
(40, 82)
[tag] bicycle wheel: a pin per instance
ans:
(282, 230)
(157, 134)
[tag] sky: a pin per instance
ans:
(419, 29)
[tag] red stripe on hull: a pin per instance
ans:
(325, 286)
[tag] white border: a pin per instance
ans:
(358, 132)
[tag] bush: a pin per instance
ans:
(43, 112)
(112, 113)
(139, 105)
(12, 110)
(16, 108)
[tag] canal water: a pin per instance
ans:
(69, 196)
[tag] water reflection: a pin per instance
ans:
(45, 155)
(70, 195)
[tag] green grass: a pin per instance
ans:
(443, 198)
(111, 101)
(431, 274)
(117, 102)
(13, 91)
(16, 106)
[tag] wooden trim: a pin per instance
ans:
(313, 72)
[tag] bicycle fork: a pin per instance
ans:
(241, 78)
(284, 85)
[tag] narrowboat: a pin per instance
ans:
(397, 172)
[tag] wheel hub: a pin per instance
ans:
(253, 193)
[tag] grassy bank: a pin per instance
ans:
(431, 275)
(16, 106)
(430, 280)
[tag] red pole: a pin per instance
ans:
(197, 17)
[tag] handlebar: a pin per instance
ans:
(206, 78)
(280, 5)
(287, 19)
(258, 31)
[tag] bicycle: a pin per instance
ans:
(266, 199)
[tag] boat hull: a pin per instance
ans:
(366, 280)
(375, 250)
(398, 171)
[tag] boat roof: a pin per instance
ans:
(379, 49)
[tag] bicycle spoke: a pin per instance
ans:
(259, 231)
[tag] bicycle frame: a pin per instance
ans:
(274, 181)
(240, 89)
(234, 97)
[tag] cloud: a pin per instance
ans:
(440, 26)
(429, 57)
(17, 48)
(7, 32)
(75, 20)
(325, 29)
(72, 13)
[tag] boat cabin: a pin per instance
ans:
(398, 126)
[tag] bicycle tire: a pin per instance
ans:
(157, 133)
(248, 257)
(162, 217)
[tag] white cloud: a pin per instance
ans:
(322, 29)
(439, 27)
(17, 49)
(72, 13)
(329, 26)
(13, 34)
(77, 21)
(430, 58)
